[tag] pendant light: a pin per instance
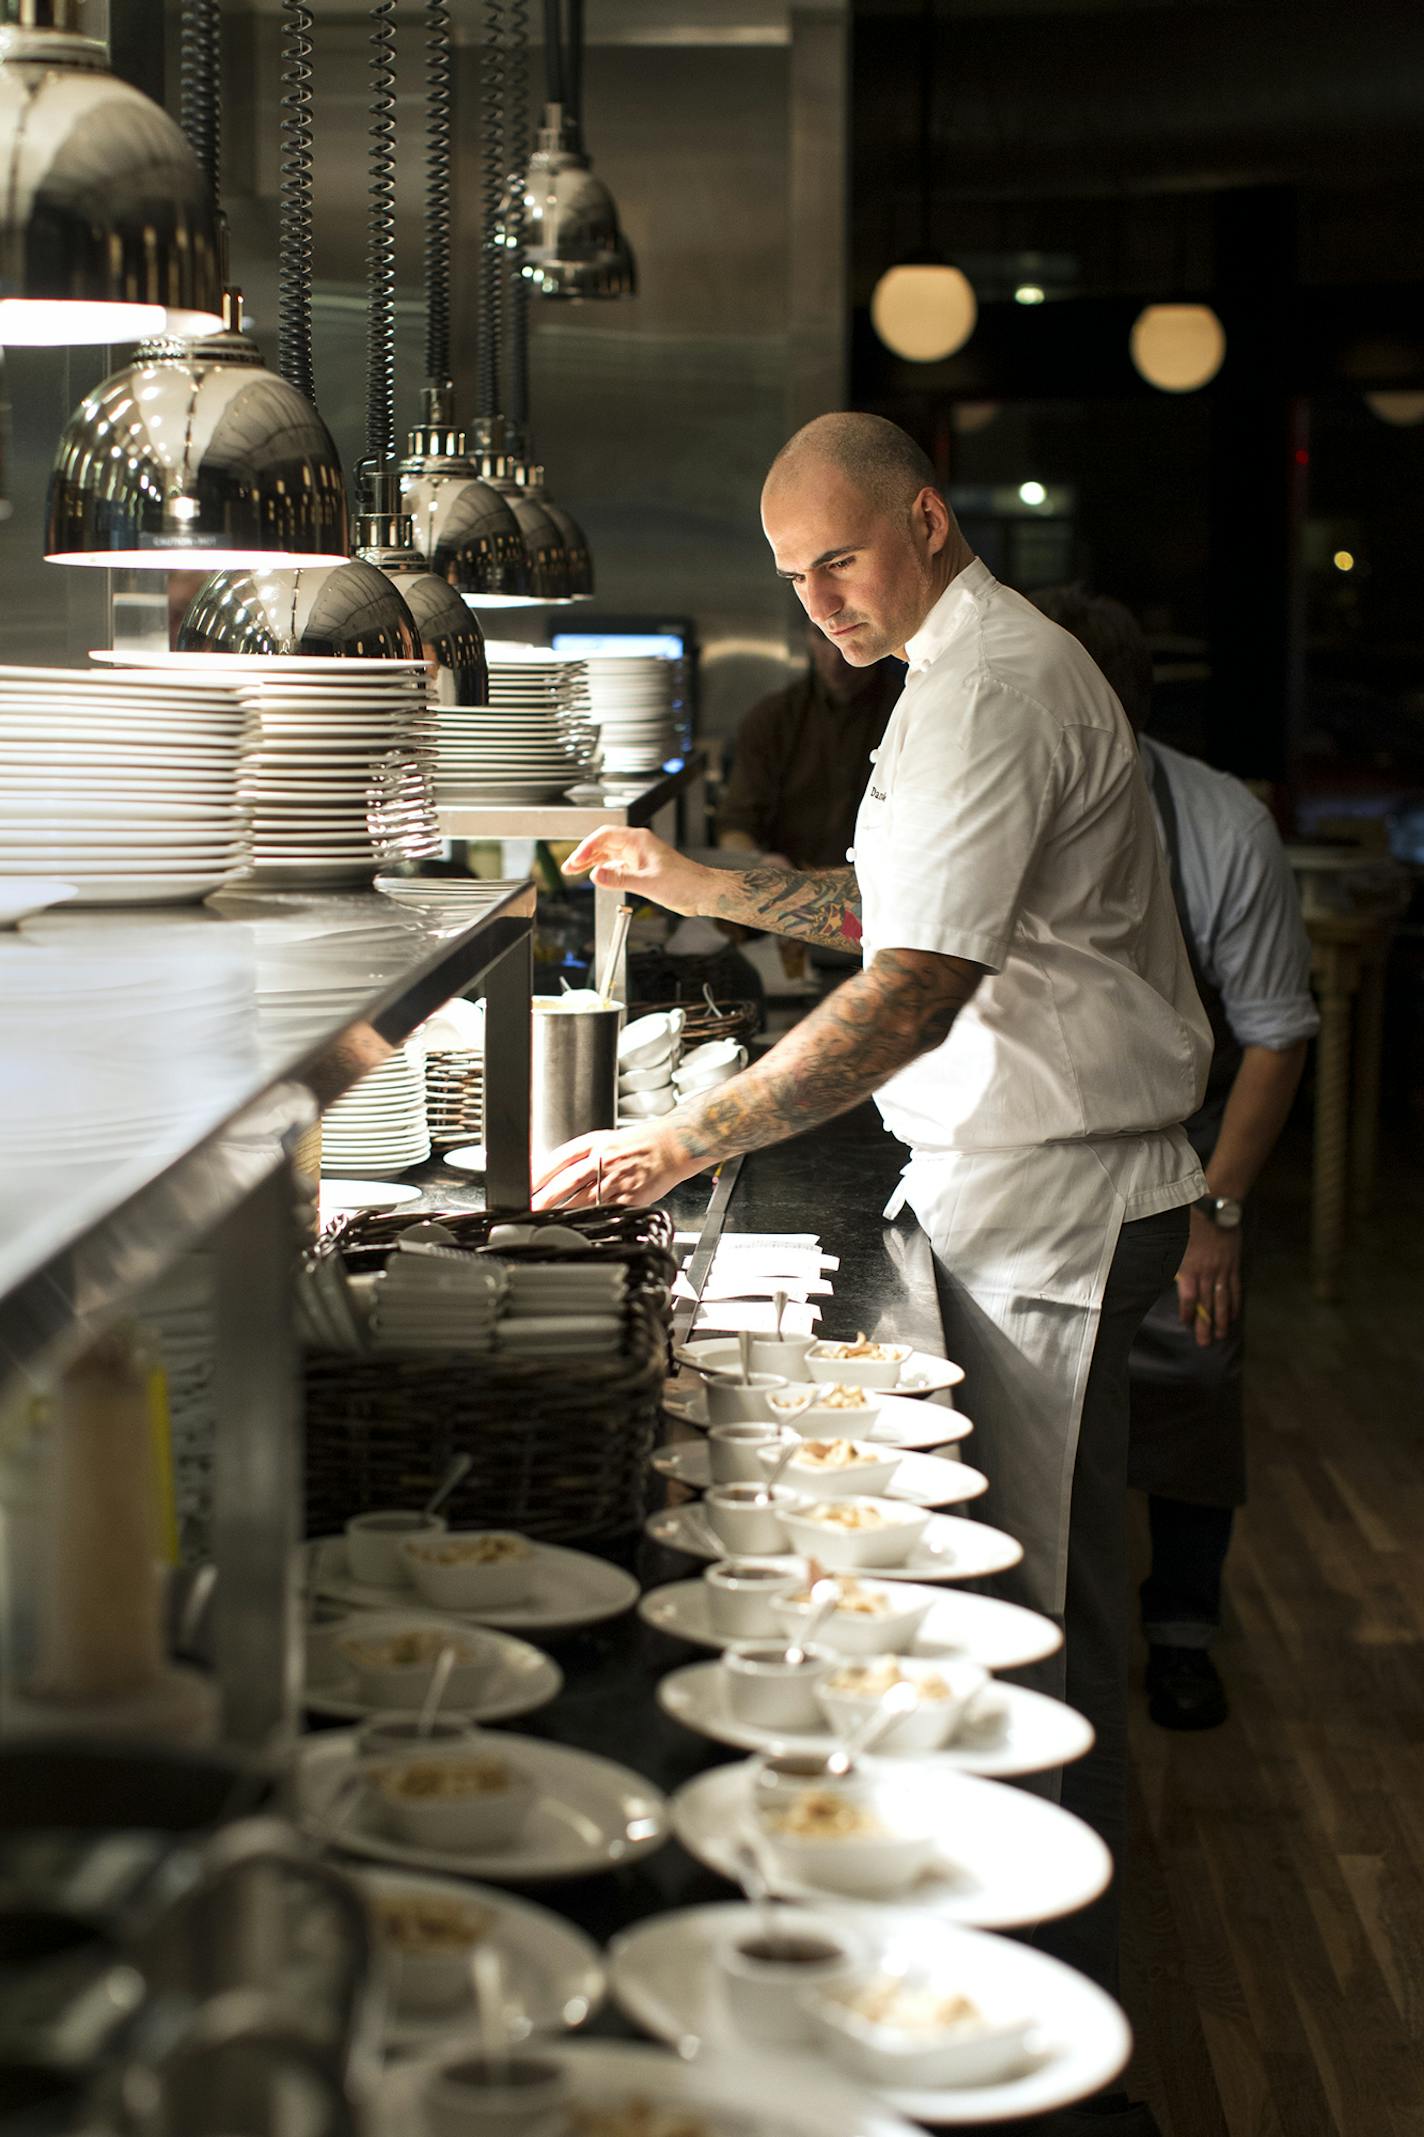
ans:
(107, 231)
(464, 528)
(576, 247)
(1179, 348)
(924, 308)
(451, 639)
(195, 456)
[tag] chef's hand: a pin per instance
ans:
(640, 862)
(1209, 1280)
(628, 1166)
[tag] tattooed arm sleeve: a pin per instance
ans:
(822, 906)
(900, 1007)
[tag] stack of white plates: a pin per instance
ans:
(379, 1126)
(124, 785)
(340, 778)
(532, 741)
(453, 1043)
(432, 1299)
(635, 707)
(558, 1310)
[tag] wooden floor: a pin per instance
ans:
(1275, 1912)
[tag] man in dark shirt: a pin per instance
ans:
(803, 758)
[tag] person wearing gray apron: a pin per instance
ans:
(1250, 957)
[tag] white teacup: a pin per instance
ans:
(765, 1982)
(734, 1451)
(734, 1402)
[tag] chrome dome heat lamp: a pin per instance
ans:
(195, 456)
(575, 245)
(108, 231)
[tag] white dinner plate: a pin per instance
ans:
(665, 1978)
(921, 1374)
(470, 1157)
(1010, 1731)
(571, 1589)
(957, 1626)
(522, 1680)
(307, 665)
(554, 1974)
(732, 2095)
(591, 1815)
(139, 890)
(920, 1479)
(22, 895)
(1005, 1857)
(949, 1548)
(366, 1194)
(899, 1422)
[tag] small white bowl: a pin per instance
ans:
(748, 1520)
(764, 1689)
(649, 1040)
(823, 1364)
(471, 1571)
(897, 1529)
(883, 2054)
(742, 1598)
(393, 1659)
(929, 1726)
(646, 1105)
(373, 1544)
(767, 1985)
(876, 1863)
(648, 1079)
(870, 1472)
(734, 1402)
(807, 1412)
(428, 1975)
(781, 1354)
(888, 1630)
(524, 2096)
(477, 1820)
(734, 1452)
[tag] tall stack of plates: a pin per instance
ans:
(340, 778)
(532, 741)
(379, 1126)
(124, 785)
(635, 708)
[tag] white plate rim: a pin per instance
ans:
(667, 1527)
(654, 1601)
(621, 1593)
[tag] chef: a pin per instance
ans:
(1025, 1017)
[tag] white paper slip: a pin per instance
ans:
(790, 1264)
(751, 1286)
(761, 1319)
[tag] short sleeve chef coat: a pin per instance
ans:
(1007, 821)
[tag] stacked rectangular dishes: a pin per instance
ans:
(126, 786)
(635, 705)
(532, 741)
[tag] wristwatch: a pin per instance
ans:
(1223, 1210)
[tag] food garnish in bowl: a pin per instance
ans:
(458, 1800)
(824, 1814)
(414, 1923)
(849, 1514)
(442, 1780)
(472, 1571)
(882, 1353)
(872, 1680)
(853, 1597)
(413, 1650)
(907, 2006)
(841, 1397)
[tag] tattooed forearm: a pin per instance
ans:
(900, 1007)
(823, 906)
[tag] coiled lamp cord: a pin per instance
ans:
(491, 277)
(439, 104)
(381, 240)
(294, 314)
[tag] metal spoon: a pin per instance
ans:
(778, 1302)
(621, 921)
(762, 1497)
(435, 1691)
(496, 2039)
(752, 1876)
(459, 1469)
(824, 1597)
(900, 1699)
(744, 1352)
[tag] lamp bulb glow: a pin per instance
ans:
(923, 312)
(1032, 493)
(1178, 347)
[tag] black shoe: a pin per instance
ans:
(1183, 1689)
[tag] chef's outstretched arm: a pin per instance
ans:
(821, 906)
(901, 1006)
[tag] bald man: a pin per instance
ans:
(1025, 1017)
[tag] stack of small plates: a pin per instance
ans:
(380, 1124)
(124, 785)
(532, 741)
(340, 779)
(559, 1310)
(464, 896)
(453, 1043)
(635, 708)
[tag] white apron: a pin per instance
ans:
(1025, 1239)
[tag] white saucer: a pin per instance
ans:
(366, 1194)
(524, 1678)
(921, 1374)
(731, 2095)
(949, 1547)
(665, 1978)
(1007, 1858)
(591, 1815)
(571, 1589)
(920, 1480)
(957, 1625)
(470, 1157)
(899, 1422)
(554, 1973)
(1020, 1731)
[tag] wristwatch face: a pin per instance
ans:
(1226, 1212)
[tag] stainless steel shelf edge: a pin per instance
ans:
(626, 804)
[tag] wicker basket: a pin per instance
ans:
(736, 1020)
(555, 1456)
